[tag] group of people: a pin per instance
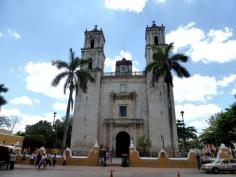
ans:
(43, 160)
(106, 158)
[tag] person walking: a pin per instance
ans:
(23, 158)
(110, 158)
(38, 159)
(48, 160)
(42, 161)
(64, 159)
(54, 159)
(32, 158)
(12, 160)
(198, 158)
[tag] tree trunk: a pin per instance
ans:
(170, 120)
(66, 122)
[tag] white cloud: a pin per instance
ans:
(234, 90)
(195, 88)
(37, 101)
(129, 5)
(14, 34)
(227, 80)
(196, 115)
(22, 100)
(110, 63)
(1, 35)
(214, 46)
(59, 106)
(26, 119)
(39, 78)
(160, 1)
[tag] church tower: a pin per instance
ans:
(86, 112)
(160, 104)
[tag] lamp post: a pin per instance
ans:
(55, 130)
(182, 115)
(54, 117)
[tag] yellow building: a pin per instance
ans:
(8, 139)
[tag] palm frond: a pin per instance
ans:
(150, 66)
(179, 57)
(60, 64)
(2, 101)
(84, 61)
(168, 49)
(71, 55)
(3, 88)
(180, 70)
(83, 78)
(58, 78)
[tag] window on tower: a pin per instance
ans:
(92, 43)
(156, 42)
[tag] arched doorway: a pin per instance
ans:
(122, 143)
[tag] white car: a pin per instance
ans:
(220, 165)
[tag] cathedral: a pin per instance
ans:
(122, 106)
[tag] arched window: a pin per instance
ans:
(92, 43)
(156, 42)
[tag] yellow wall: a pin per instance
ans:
(163, 161)
(134, 160)
(91, 160)
(10, 139)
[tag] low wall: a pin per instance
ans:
(91, 160)
(162, 161)
(9, 139)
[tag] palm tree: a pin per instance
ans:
(3, 89)
(164, 61)
(75, 78)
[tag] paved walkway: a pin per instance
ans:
(85, 171)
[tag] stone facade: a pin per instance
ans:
(122, 106)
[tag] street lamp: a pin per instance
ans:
(54, 116)
(184, 140)
(182, 115)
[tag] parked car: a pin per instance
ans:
(220, 165)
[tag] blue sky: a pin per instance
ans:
(32, 33)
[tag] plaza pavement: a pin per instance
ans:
(88, 171)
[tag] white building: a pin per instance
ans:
(122, 106)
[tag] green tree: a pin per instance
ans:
(187, 135)
(164, 62)
(38, 135)
(222, 129)
(59, 131)
(3, 89)
(75, 78)
(143, 144)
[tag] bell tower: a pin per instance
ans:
(160, 104)
(86, 113)
(155, 36)
(94, 48)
